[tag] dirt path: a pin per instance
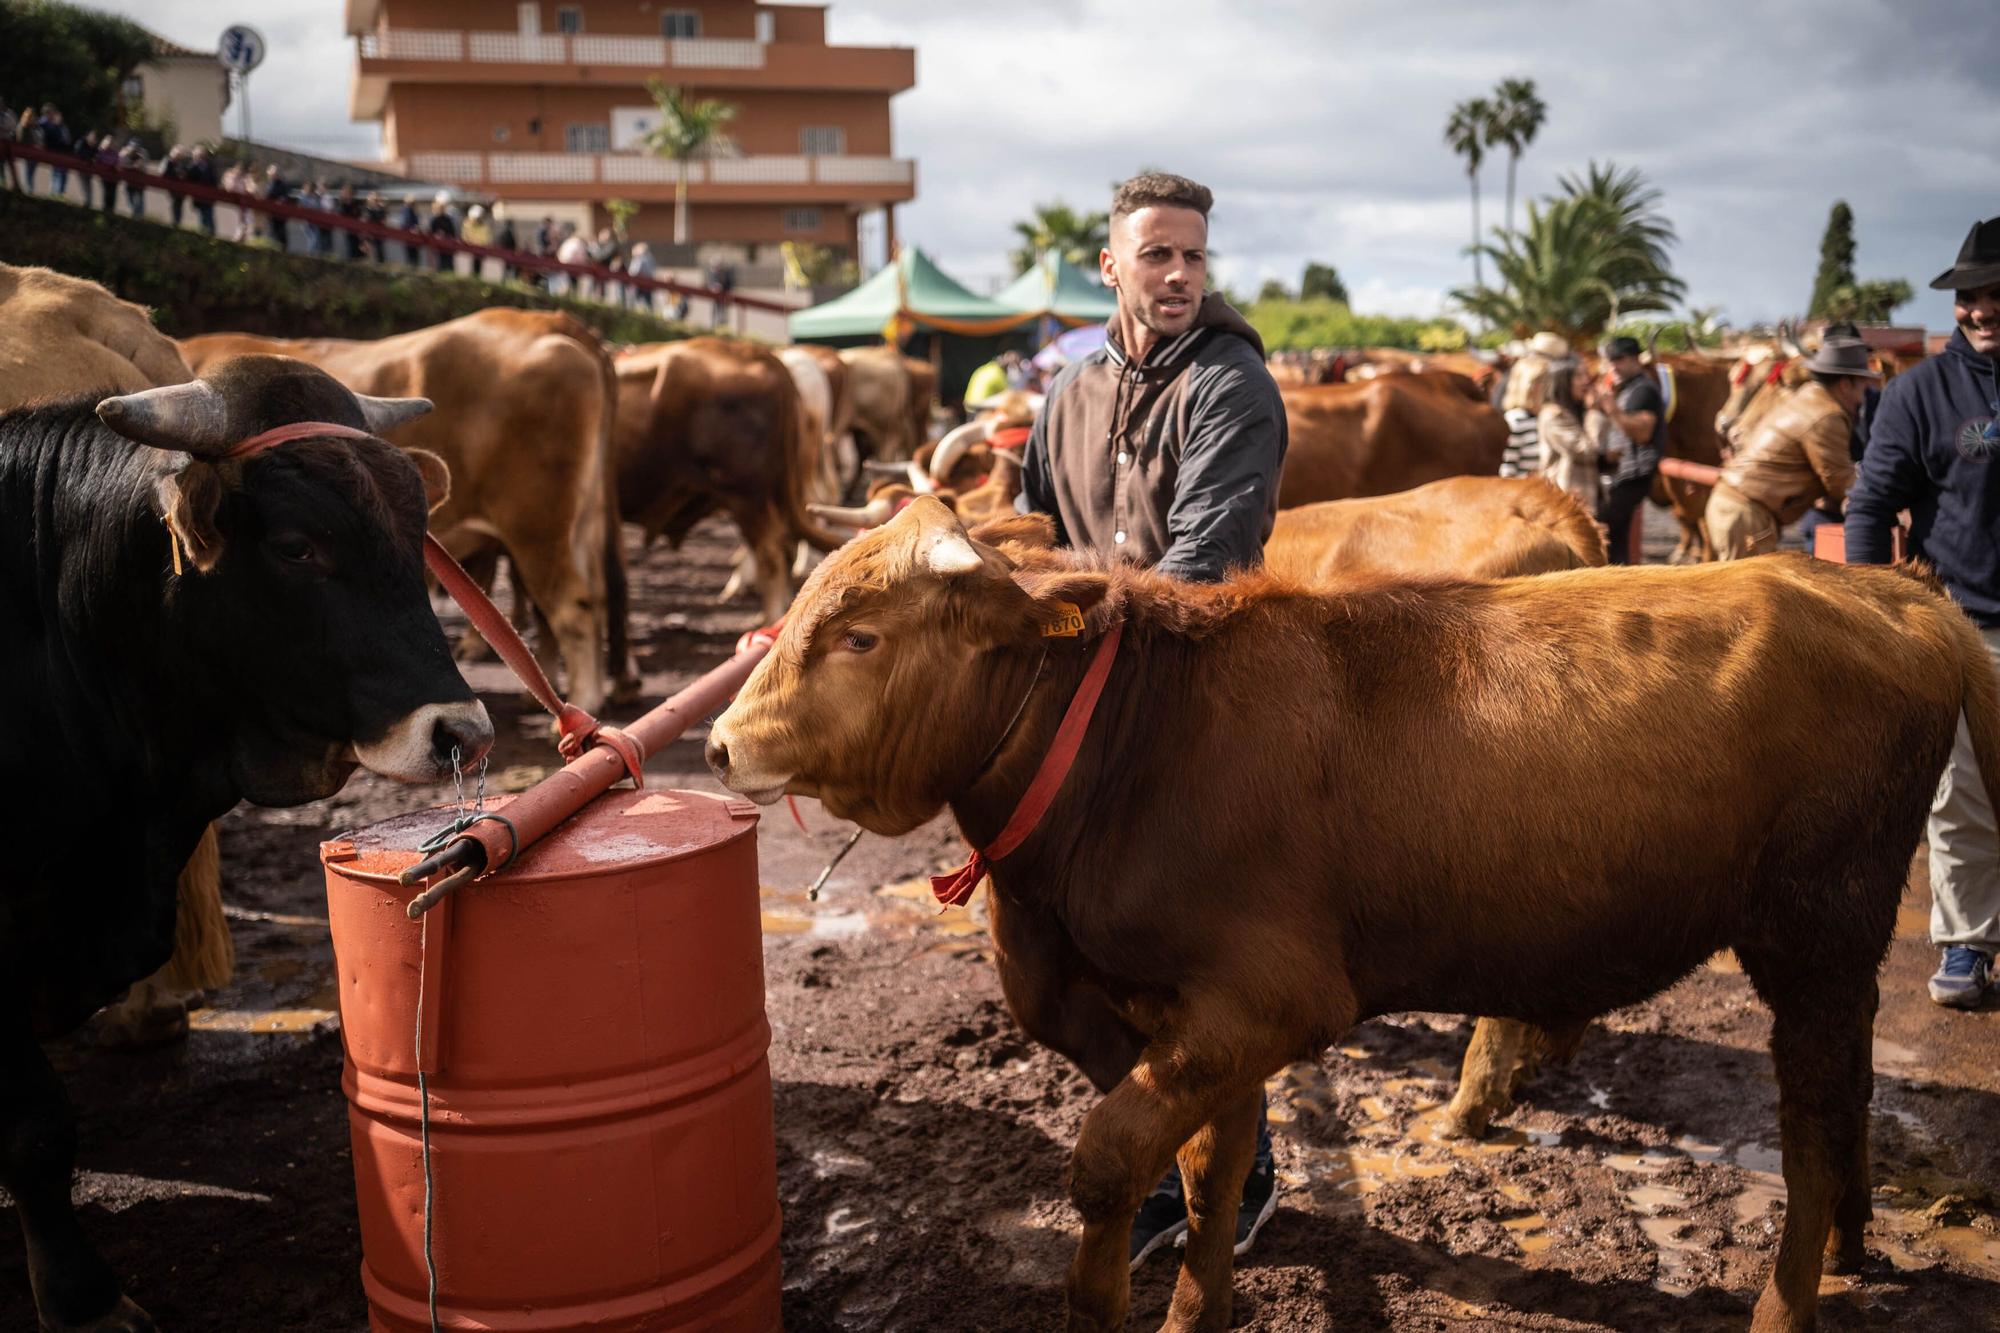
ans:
(922, 1139)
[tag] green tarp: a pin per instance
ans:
(909, 295)
(1062, 289)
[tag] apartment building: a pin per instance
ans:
(544, 105)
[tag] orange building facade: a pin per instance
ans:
(543, 105)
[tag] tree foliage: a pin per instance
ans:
(1517, 116)
(1322, 282)
(1274, 289)
(689, 127)
(1836, 259)
(1866, 302)
(1587, 257)
(76, 58)
(1057, 228)
(1466, 133)
(1300, 325)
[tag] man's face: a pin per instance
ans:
(1158, 262)
(1978, 314)
(1624, 367)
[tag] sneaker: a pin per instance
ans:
(1162, 1218)
(1260, 1200)
(1961, 977)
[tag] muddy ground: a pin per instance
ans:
(921, 1138)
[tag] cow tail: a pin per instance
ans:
(800, 452)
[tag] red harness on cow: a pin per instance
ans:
(576, 730)
(954, 887)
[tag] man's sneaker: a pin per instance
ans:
(1260, 1200)
(1961, 978)
(1162, 1218)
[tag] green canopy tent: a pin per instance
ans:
(1060, 292)
(917, 306)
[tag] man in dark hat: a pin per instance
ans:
(1797, 455)
(1637, 414)
(1934, 449)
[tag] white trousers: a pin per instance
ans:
(1965, 847)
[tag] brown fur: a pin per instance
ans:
(1384, 435)
(523, 421)
(891, 398)
(1296, 810)
(1702, 385)
(1474, 527)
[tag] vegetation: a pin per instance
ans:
(1465, 133)
(1058, 228)
(1322, 282)
(1867, 302)
(76, 58)
(1517, 118)
(621, 212)
(1587, 257)
(1299, 325)
(195, 284)
(1836, 259)
(689, 128)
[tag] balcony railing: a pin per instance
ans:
(642, 169)
(512, 48)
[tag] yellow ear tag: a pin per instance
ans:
(174, 545)
(1069, 626)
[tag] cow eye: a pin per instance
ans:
(293, 548)
(858, 640)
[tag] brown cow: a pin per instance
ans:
(715, 425)
(1293, 811)
(1471, 527)
(61, 336)
(524, 405)
(1383, 435)
(1700, 388)
(891, 395)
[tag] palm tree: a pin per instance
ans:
(1466, 134)
(688, 128)
(1586, 258)
(1057, 227)
(1517, 118)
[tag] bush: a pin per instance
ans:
(1287, 325)
(195, 284)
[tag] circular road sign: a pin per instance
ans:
(242, 48)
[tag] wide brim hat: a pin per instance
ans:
(1842, 356)
(1978, 260)
(1551, 345)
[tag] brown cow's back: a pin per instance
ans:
(61, 336)
(1384, 435)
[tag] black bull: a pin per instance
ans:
(180, 631)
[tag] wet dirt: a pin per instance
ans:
(922, 1138)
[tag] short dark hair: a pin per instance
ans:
(1157, 189)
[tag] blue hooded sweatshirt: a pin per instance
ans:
(1926, 455)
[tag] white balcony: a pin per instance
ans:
(541, 168)
(513, 48)
(448, 168)
(635, 169)
(760, 170)
(413, 44)
(650, 51)
(453, 168)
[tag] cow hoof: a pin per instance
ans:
(626, 690)
(124, 1317)
(153, 1026)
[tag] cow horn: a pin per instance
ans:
(191, 417)
(920, 481)
(881, 467)
(872, 515)
(953, 446)
(1788, 341)
(383, 415)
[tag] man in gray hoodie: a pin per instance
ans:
(1163, 448)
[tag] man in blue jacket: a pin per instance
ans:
(1934, 449)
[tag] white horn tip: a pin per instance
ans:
(952, 554)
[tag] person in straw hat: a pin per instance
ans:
(1797, 455)
(1934, 449)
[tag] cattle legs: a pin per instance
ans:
(1214, 1164)
(74, 1288)
(1502, 1055)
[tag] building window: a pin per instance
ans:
(680, 23)
(587, 138)
(569, 18)
(767, 26)
(822, 141)
(133, 91)
(802, 219)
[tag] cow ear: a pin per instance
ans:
(1057, 596)
(1034, 532)
(189, 499)
(436, 475)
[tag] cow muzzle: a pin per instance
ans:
(424, 744)
(730, 769)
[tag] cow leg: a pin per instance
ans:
(1070, 1016)
(1192, 1071)
(569, 602)
(1503, 1055)
(765, 533)
(154, 1011)
(1822, 1020)
(625, 682)
(74, 1288)
(742, 573)
(1214, 1164)
(484, 568)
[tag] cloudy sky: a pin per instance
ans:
(1318, 123)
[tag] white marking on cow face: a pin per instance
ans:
(418, 747)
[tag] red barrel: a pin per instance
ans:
(593, 1039)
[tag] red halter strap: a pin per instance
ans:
(576, 729)
(954, 887)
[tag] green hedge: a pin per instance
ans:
(1288, 324)
(195, 284)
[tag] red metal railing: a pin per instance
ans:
(317, 217)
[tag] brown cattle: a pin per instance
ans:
(524, 406)
(1469, 527)
(1292, 811)
(714, 425)
(840, 415)
(892, 396)
(1384, 435)
(61, 336)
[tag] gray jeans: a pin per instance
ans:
(1965, 847)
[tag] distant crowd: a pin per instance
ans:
(44, 127)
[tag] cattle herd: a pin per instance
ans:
(1357, 782)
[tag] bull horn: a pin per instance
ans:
(920, 481)
(877, 467)
(191, 417)
(383, 415)
(1788, 341)
(953, 446)
(871, 515)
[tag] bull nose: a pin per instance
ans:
(717, 754)
(464, 729)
